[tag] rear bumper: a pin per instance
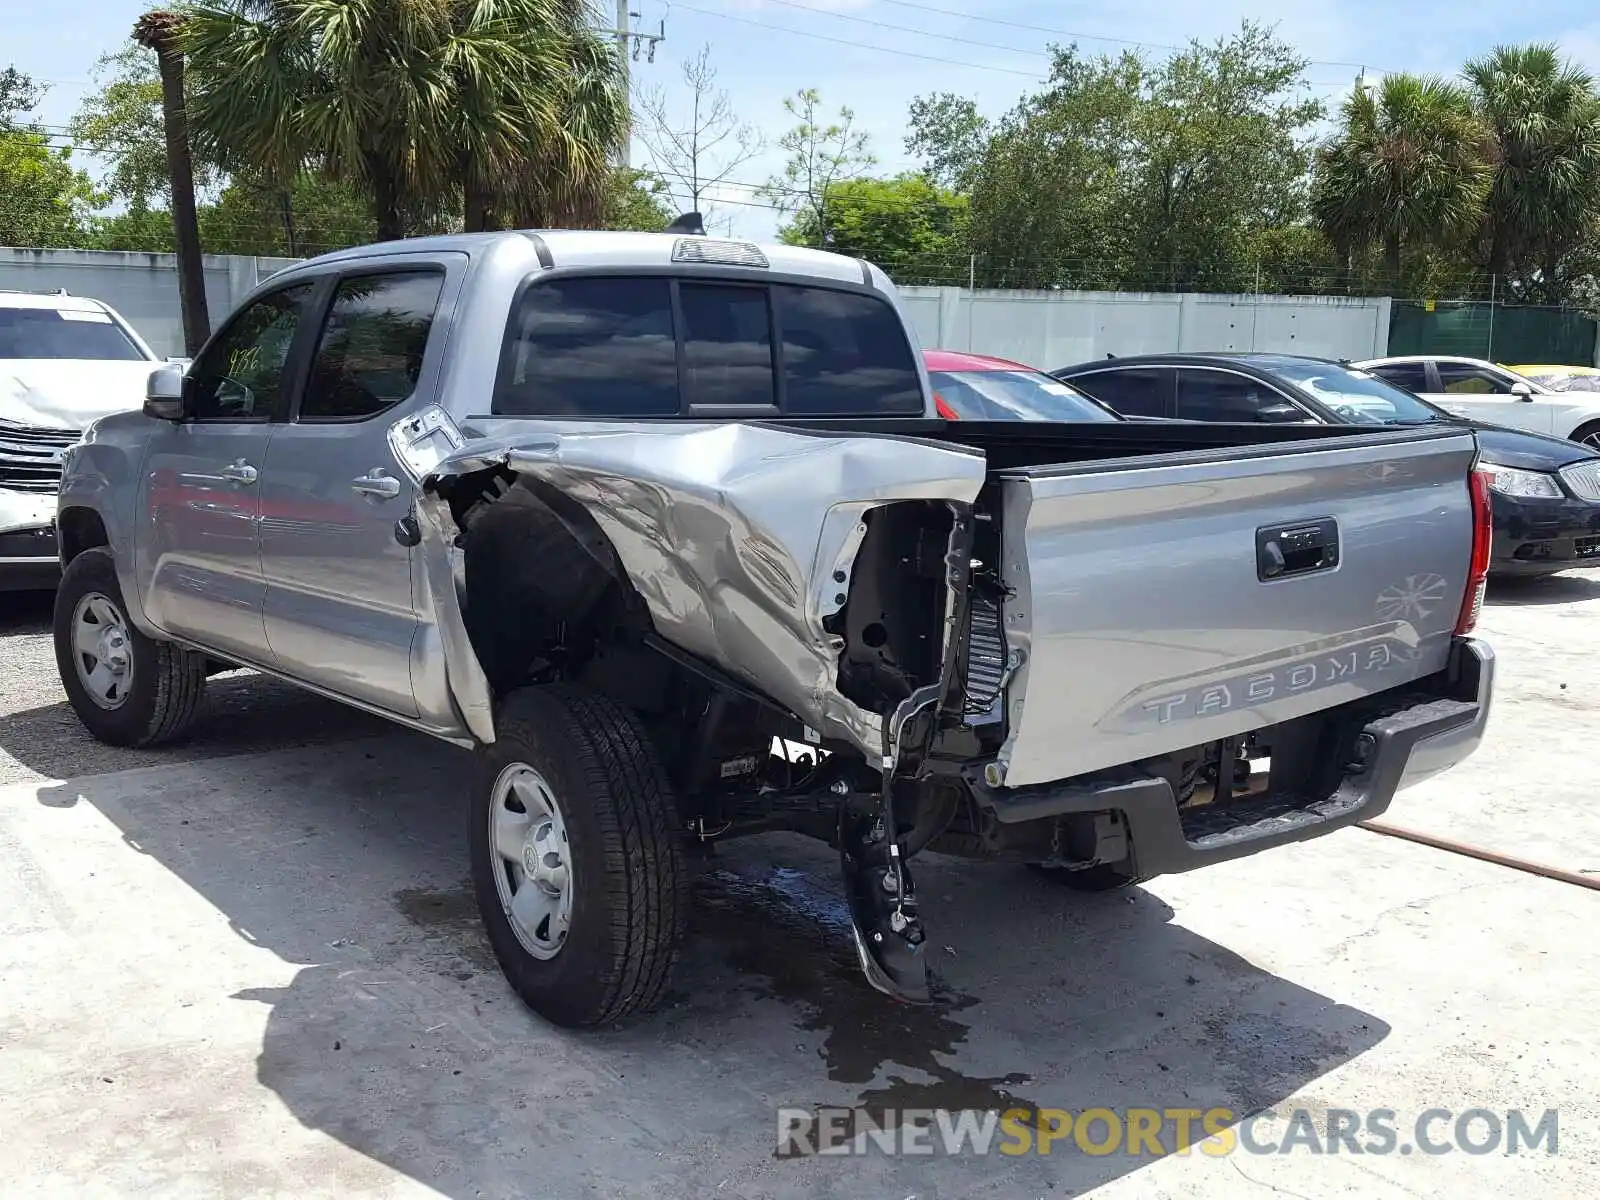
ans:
(1417, 734)
(28, 551)
(1536, 537)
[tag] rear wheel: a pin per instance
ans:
(1588, 435)
(577, 858)
(127, 689)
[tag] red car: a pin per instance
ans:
(976, 387)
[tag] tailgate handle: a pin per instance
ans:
(1283, 551)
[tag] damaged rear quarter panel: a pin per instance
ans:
(734, 534)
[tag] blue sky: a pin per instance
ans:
(864, 53)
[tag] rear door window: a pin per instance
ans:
(1464, 379)
(591, 345)
(1413, 376)
(1133, 392)
(1223, 396)
(845, 354)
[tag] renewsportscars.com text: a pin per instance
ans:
(1157, 1132)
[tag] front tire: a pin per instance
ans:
(1587, 435)
(577, 857)
(127, 689)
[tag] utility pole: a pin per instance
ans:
(628, 43)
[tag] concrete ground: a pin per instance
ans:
(249, 966)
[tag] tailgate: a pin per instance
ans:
(1161, 603)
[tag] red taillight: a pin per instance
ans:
(943, 409)
(1482, 537)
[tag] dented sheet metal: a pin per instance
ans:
(740, 538)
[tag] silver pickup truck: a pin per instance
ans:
(666, 530)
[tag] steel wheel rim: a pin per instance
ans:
(531, 861)
(102, 650)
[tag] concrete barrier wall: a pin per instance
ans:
(142, 287)
(1056, 329)
(1045, 329)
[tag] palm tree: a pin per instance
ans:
(487, 109)
(1543, 116)
(1407, 168)
(161, 32)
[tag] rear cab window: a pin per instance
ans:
(648, 346)
(1131, 391)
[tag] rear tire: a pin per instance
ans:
(1103, 877)
(571, 801)
(127, 689)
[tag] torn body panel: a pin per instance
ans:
(739, 538)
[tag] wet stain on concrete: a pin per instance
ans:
(795, 938)
(448, 921)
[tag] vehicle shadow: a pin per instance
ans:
(25, 612)
(243, 713)
(400, 1040)
(1515, 592)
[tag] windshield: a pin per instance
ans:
(1014, 396)
(1356, 395)
(63, 333)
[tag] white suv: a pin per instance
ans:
(64, 362)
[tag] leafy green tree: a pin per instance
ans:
(1221, 148)
(821, 154)
(1543, 202)
(1406, 171)
(44, 200)
(637, 200)
(949, 135)
(1051, 190)
(19, 95)
(123, 121)
(911, 228)
(505, 111)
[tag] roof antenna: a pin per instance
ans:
(689, 222)
(1109, 354)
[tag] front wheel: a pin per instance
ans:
(1588, 435)
(127, 689)
(577, 857)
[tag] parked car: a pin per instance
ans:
(1486, 391)
(617, 510)
(1556, 378)
(1546, 490)
(64, 360)
(978, 387)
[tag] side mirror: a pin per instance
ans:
(163, 394)
(1522, 390)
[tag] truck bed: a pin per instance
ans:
(1145, 607)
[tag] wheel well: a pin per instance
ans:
(544, 588)
(1587, 429)
(79, 529)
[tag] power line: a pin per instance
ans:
(1081, 37)
(928, 33)
(839, 41)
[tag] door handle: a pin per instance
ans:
(240, 472)
(377, 484)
